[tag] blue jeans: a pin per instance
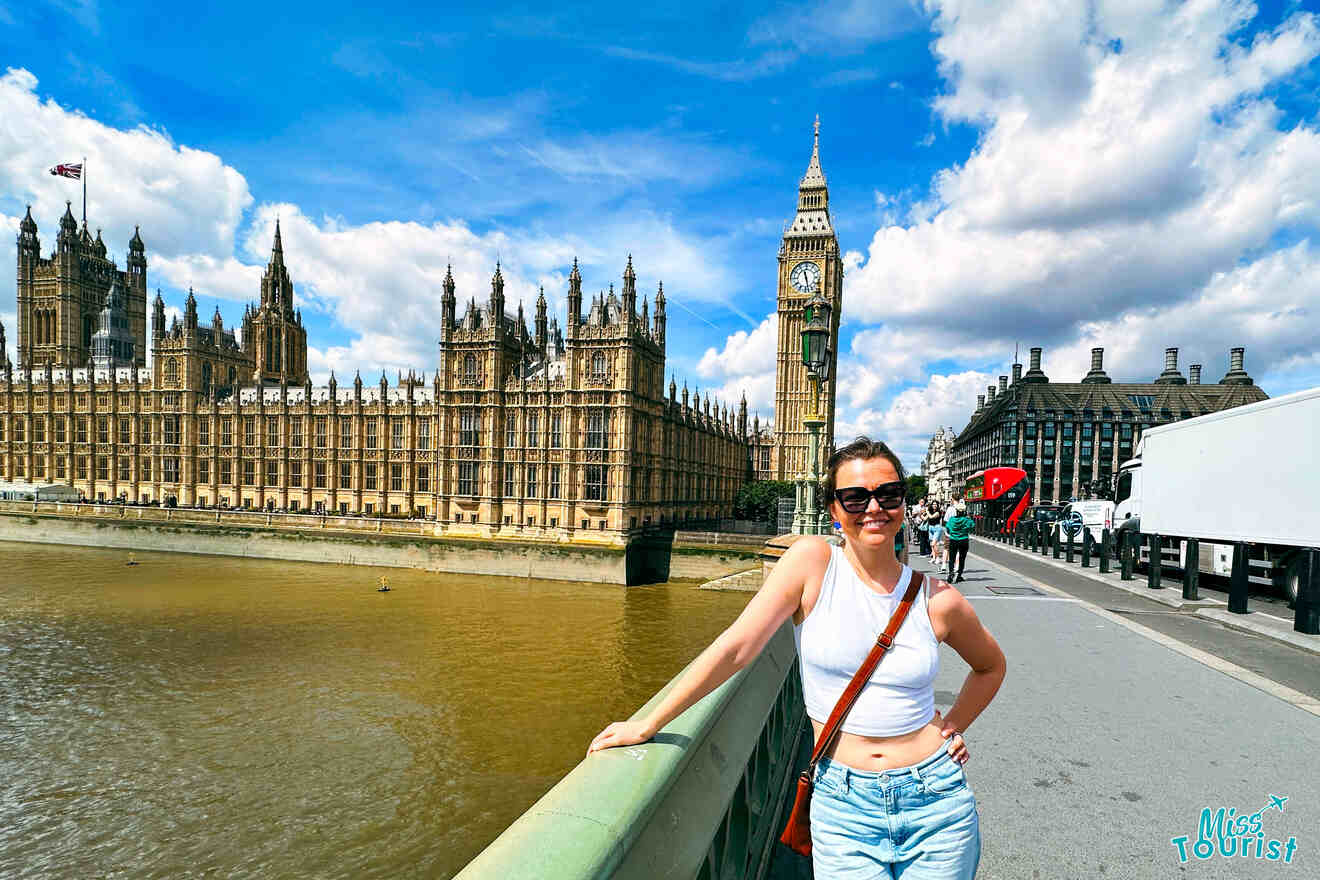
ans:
(916, 823)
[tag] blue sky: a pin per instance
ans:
(1131, 175)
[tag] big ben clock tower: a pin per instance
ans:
(808, 259)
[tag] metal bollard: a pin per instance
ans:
(1155, 564)
(1055, 543)
(1070, 548)
(1191, 568)
(1045, 529)
(1087, 540)
(1307, 618)
(1238, 584)
(1125, 555)
(1105, 540)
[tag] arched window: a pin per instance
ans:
(598, 365)
(206, 376)
(470, 367)
(172, 371)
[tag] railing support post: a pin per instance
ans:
(1238, 584)
(1070, 548)
(1155, 565)
(1087, 541)
(1307, 618)
(1054, 541)
(1125, 555)
(1105, 544)
(1191, 569)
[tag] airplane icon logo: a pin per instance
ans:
(1276, 801)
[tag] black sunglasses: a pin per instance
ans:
(855, 499)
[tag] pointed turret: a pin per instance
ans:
(659, 331)
(447, 301)
(68, 228)
(277, 247)
(742, 415)
(496, 303)
(137, 259)
(540, 322)
(217, 324)
(99, 244)
(190, 311)
(629, 292)
(574, 299)
(813, 209)
(158, 317)
(29, 245)
(673, 388)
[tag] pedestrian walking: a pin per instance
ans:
(935, 528)
(891, 789)
(960, 530)
(923, 536)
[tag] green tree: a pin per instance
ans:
(760, 500)
(916, 488)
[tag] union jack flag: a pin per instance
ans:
(74, 171)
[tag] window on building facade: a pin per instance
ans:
(169, 469)
(39, 429)
(272, 431)
(556, 430)
(371, 433)
(345, 432)
(204, 431)
(203, 471)
(595, 488)
(124, 468)
(295, 474)
(296, 432)
(468, 434)
(369, 477)
(102, 467)
(102, 429)
(598, 423)
(79, 430)
(765, 458)
(226, 471)
(510, 429)
(249, 473)
(318, 475)
(170, 427)
(508, 480)
(60, 432)
(470, 367)
(249, 431)
(226, 431)
(80, 466)
(467, 478)
(172, 371)
(531, 481)
(272, 474)
(598, 365)
(345, 475)
(396, 478)
(424, 433)
(396, 433)
(322, 432)
(533, 429)
(423, 478)
(554, 481)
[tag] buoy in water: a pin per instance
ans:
(132, 560)
(384, 586)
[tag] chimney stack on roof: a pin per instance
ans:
(1236, 374)
(1017, 373)
(1003, 384)
(980, 402)
(1034, 374)
(1170, 376)
(1097, 375)
(1195, 372)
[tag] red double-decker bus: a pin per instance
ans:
(999, 493)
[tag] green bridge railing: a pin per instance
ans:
(703, 799)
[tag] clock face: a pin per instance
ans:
(805, 276)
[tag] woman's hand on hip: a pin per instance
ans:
(621, 733)
(957, 746)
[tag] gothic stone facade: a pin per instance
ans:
(538, 433)
(1068, 435)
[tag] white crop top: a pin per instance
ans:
(838, 634)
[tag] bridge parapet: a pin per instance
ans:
(702, 799)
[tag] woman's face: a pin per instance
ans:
(875, 526)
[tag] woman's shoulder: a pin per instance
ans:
(809, 550)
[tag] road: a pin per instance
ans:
(1107, 739)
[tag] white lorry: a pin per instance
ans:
(1250, 474)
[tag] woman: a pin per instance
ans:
(897, 764)
(935, 525)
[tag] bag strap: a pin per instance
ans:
(854, 689)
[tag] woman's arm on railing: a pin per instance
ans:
(777, 600)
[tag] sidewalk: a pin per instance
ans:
(1259, 623)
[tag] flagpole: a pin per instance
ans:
(84, 177)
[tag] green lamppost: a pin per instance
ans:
(808, 520)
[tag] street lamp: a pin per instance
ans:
(816, 357)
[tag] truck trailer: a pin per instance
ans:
(1250, 474)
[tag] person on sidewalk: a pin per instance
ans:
(935, 528)
(960, 531)
(892, 790)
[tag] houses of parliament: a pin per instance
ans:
(534, 430)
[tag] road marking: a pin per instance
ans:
(1029, 598)
(1232, 670)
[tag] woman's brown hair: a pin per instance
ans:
(863, 448)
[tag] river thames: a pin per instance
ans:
(211, 716)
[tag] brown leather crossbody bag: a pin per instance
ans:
(797, 834)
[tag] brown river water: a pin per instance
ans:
(198, 716)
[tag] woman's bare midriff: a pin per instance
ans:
(884, 752)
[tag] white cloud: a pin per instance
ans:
(908, 420)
